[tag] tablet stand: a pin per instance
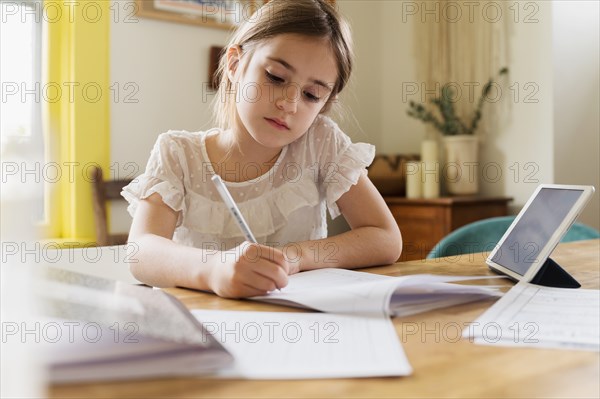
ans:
(552, 275)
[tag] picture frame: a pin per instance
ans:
(216, 52)
(220, 14)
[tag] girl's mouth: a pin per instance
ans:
(278, 124)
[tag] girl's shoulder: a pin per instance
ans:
(322, 141)
(323, 128)
(324, 132)
(183, 136)
(189, 143)
(323, 124)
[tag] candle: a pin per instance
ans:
(430, 170)
(429, 151)
(431, 179)
(413, 180)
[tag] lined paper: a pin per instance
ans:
(541, 317)
(283, 345)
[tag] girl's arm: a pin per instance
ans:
(375, 238)
(161, 262)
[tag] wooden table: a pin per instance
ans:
(424, 222)
(443, 366)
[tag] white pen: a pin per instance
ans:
(231, 205)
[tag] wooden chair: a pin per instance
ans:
(102, 192)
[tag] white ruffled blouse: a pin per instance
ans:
(286, 204)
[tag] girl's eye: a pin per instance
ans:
(273, 78)
(311, 97)
(278, 81)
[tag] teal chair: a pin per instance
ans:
(483, 235)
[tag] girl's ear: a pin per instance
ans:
(234, 54)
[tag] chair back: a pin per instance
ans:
(102, 192)
(483, 235)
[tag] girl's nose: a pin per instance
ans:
(288, 101)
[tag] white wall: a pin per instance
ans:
(362, 100)
(401, 133)
(576, 98)
(168, 64)
(524, 146)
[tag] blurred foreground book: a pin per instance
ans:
(99, 329)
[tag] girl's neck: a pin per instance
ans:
(231, 150)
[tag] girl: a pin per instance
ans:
(283, 161)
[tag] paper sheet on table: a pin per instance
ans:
(541, 317)
(284, 345)
(348, 291)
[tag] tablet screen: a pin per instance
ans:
(537, 224)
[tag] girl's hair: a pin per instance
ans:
(315, 18)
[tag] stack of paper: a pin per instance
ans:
(347, 291)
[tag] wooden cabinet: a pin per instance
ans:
(424, 222)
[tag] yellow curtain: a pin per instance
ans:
(77, 112)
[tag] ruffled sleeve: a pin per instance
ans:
(341, 162)
(164, 175)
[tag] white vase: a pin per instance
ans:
(461, 167)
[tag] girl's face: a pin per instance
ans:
(282, 87)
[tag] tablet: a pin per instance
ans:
(537, 229)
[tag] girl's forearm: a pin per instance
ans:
(160, 262)
(359, 247)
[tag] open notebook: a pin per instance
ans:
(99, 329)
(347, 291)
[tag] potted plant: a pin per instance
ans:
(460, 140)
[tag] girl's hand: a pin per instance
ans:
(292, 253)
(249, 270)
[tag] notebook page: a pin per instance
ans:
(336, 291)
(277, 345)
(348, 291)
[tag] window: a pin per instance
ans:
(21, 92)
